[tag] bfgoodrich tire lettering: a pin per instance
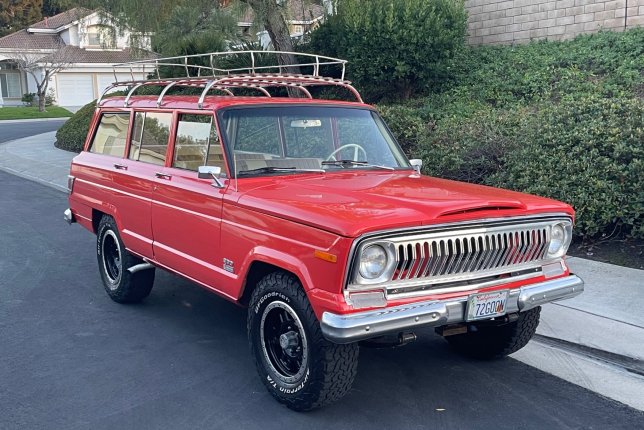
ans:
(490, 341)
(298, 366)
(113, 262)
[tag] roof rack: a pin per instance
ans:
(245, 69)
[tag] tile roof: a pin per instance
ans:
(23, 40)
(300, 11)
(78, 55)
(62, 19)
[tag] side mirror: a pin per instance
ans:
(416, 163)
(213, 172)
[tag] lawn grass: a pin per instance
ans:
(23, 112)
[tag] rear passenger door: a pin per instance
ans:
(186, 210)
(137, 175)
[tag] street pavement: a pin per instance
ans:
(70, 358)
(12, 130)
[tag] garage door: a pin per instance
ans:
(107, 79)
(75, 89)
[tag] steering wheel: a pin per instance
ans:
(356, 152)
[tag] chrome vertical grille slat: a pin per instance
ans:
(464, 254)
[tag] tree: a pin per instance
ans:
(42, 69)
(271, 14)
(152, 16)
(192, 30)
(18, 14)
(395, 48)
(54, 7)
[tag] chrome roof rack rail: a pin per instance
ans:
(205, 71)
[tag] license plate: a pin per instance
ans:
(486, 305)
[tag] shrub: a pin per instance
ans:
(395, 49)
(473, 148)
(50, 99)
(589, 152)
(71, 136)
(29, 99)
(407, 124)
(559, 119)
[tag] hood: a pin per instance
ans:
(350, 204)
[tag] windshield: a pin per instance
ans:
(294, 139)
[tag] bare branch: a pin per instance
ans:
(42, 65)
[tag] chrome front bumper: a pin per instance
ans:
(363, 325)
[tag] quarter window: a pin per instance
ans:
(150, 137)
(111, 134)
(196, 143)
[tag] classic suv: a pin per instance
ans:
(307, 212)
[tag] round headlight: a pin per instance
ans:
(373, 261)
(557, 239)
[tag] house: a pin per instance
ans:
(89, 41)
(302, 17)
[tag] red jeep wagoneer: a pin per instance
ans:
(307, 212)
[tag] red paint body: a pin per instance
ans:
(186, 225)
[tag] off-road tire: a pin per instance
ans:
(326, 370)
(490, 341)
(113, 262)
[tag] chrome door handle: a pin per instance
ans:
(161, 175)
(120, 166)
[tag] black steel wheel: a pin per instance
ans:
(113, 262)
(284, 342)
(298, 366)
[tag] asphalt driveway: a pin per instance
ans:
(10, 130)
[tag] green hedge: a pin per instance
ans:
(586, 151)
(558, 119)
(395, 48)
(71, 136)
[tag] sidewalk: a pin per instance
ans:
(36, 158)
(608, 316)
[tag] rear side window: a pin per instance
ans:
(196, 143)
(111, 134)
(150, 137)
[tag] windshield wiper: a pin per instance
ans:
(345, 163)
(277, 170)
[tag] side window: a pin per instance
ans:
(111, 134)
(196, 143)
(150, 137)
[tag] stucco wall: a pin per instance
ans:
(519, 21)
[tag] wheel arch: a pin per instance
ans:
(263, 262)
(97, 214)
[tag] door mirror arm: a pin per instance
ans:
(416, 163)
(213, 172)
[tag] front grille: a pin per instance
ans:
(469, 253)
(459, 258)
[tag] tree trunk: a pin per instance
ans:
(274, 22)
(41, 101)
